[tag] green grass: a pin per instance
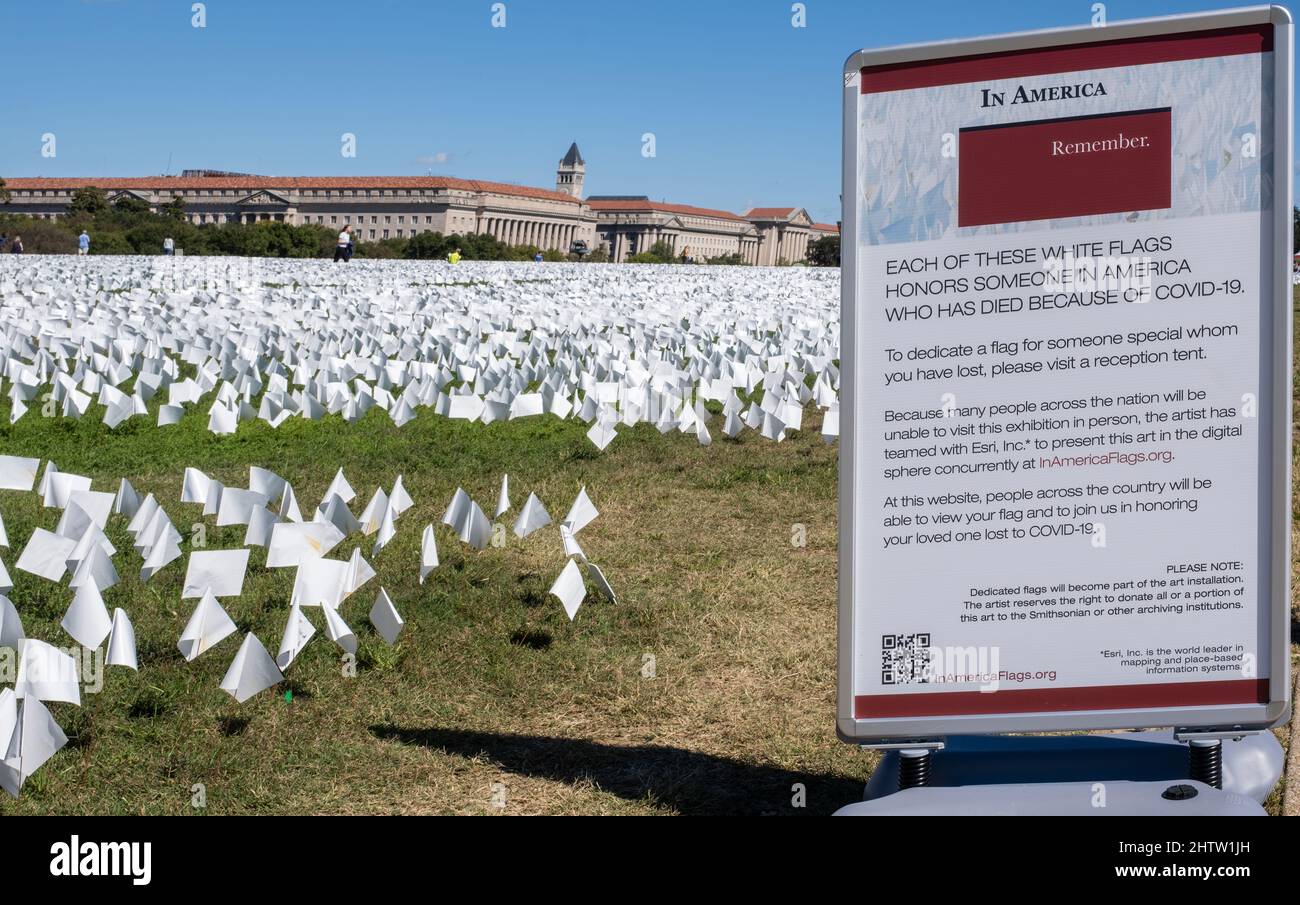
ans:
(490, 686)
(490, 683)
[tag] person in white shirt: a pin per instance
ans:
(345, 242)
(169, 246)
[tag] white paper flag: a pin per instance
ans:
(384, 617)
(341, 487)
(18, 473)
(46, 673)
(46, 555)
(251, 671)
(11, 627)
(428, 553)
(87, 619)
(208, 625)
(581, 512)
(236, 506)
(219, 572)
(532, 516)
(503, 498)
(297, 632)
(296, 542)
(338, 630)
(127, 501)
(373, 516)
(399, 499)
(570, 588)
(121, 642)
(602, 584)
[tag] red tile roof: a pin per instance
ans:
(642, 205)
(769, 213)
(826, 228)
(252, 183)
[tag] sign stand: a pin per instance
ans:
(1205, 761)
(1124, 773)
(1066, 417)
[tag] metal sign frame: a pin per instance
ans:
(1275, 390)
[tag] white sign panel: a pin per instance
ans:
(1065, 478)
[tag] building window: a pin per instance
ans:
(334, 219)
(401, 218)
(385, 234)
(374, 219)
(388, 218)
(372, 234)
(428, 219)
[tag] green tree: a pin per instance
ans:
(40, 237)
(825, 252)
(482, 247)
(427, 246)
(129, 205)
(383, 248)
(663, 251)
(4, 192)
(88, 200)
(110, 243)
(660, 253)
(128, 226)
(146, 238)
(174, 209)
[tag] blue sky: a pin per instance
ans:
(744, 107)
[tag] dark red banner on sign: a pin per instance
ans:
(1072, 167)
(1056, 700)
(984, 67)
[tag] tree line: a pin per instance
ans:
(128, 226)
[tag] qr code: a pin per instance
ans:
(904, 659)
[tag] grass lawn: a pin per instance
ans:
(708, 688)
(490, 688)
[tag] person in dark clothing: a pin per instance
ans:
(17, 246)
(343, 250)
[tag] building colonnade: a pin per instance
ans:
(519, 231)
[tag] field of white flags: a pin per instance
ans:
(269, 526)
(613, 346)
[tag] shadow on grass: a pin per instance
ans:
(688, 782)
(231, 726)
(537, 640)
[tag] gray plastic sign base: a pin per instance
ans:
(1060, 799)
(1017, 774)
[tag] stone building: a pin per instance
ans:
(395, 207)
(377, 207)
(629, 224)
(784, 233)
